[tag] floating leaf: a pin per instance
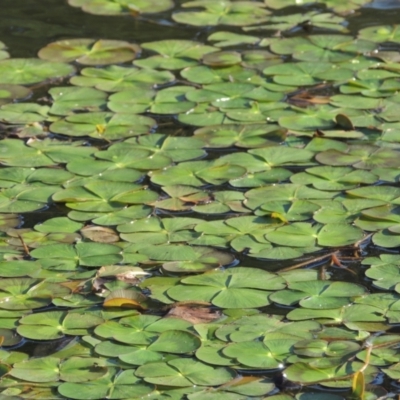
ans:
(174, 54)
(184, 372)
(235, 288)
(115, 384)
(89, 51)
(122, 7)
(25, 71)
(115, 78)
(55, 324)
(103, 125)
(225, 12)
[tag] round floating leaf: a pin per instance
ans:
(318, 294)
(25, 71)
(9, 93)
(333, 178)
(115, 384)
(166, 101)
(247, 136)
(223, 13)
(23, 113)
(122, 7)
(265, 355)
(96, 196)
(197, 173)
(27, 293)
(140, 329)
(174, 54)
(184, 372)
(55, 324)
(360, 156)
(71, 99)
(20, 268)
(236, 288)
(25, 198)
(103, 125)
(89, 254)
(380, 34)
(116, 78)
(301, 234)
(90, 51)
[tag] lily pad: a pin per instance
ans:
(235, 288)
(183, 373)
(116, 384)
(115, 78)
(25, 71)
(89, 51)
(55, 324)
(103, 125)
(174, 54)
(122, 7)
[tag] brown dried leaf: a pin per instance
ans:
(193, 314)
(99, 234)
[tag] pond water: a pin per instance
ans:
(199, 199)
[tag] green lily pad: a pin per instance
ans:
(222, 13)
(197, 173)
(23, 113)
(103, 125)
(115, 78)
(68, 100)
(360, 156)
(52, 369)
(9, 93)
(183, 373)
(122, 7)
(154, 230)
(380, 34)
(333, 178)
(247, 136)
(55, 324)
(302, 234)
(116, 384)
(98, 197)
(236, 288)
(13, 175)
(25, 71)
(25, 198)
(166, 101)
(307, 73)
(318, 294)
(174, 54)
(88, 254)
(89, 51)
(28, 293)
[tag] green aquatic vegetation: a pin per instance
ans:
(166, 101)
(174, 54)
(235, 288)
(68, 100)
(224, 12)
(122, 7)
(90, 51)
(26, 71)
(172, 251)
(103, 125)
(9, 93)
(308, 20)
(115, 78)
(244, 136)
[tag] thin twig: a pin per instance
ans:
(304, 263)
